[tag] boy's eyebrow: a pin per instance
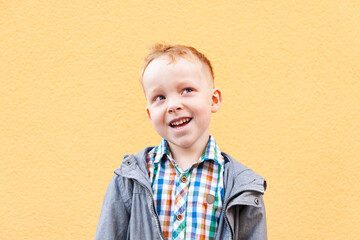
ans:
(185, 81)
(152, 90)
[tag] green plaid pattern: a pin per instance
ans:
(189, 202)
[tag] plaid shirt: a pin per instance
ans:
(189, 202)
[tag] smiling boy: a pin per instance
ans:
(185, 188)
(180, 99)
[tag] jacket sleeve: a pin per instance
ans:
(253, 220)
(114, 217)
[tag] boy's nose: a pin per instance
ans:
(175, 107)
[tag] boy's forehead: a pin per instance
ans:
(156, 66)
(166, 60)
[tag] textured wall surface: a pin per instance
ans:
(71, 106)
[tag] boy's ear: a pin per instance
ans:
(216, 100)
(148, 113)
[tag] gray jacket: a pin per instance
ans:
(128, 210)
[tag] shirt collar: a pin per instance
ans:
(161, 150)
(211, 152)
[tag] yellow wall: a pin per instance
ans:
(71, 106)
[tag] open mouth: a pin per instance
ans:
(177, 123)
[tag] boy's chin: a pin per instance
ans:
(180, 143)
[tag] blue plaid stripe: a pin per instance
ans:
(198, 218)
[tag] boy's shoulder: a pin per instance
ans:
(134, 161)
(240, 177)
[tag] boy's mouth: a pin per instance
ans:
(179, 122)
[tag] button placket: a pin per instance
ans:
(180, 203)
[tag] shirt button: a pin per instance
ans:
(183, 179)
(179, 217)
(256, 200)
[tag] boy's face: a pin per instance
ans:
(180, 100)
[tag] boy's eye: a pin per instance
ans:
(159, 98)
(187, 90)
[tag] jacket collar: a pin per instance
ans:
(135, 167)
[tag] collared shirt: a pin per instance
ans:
(189, 202)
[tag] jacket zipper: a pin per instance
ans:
(226, 219)
(152, 209)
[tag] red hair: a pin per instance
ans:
(174, 52)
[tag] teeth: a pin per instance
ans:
(180, 122)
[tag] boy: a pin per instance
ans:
(185, 188)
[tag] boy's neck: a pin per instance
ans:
(185, 157)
